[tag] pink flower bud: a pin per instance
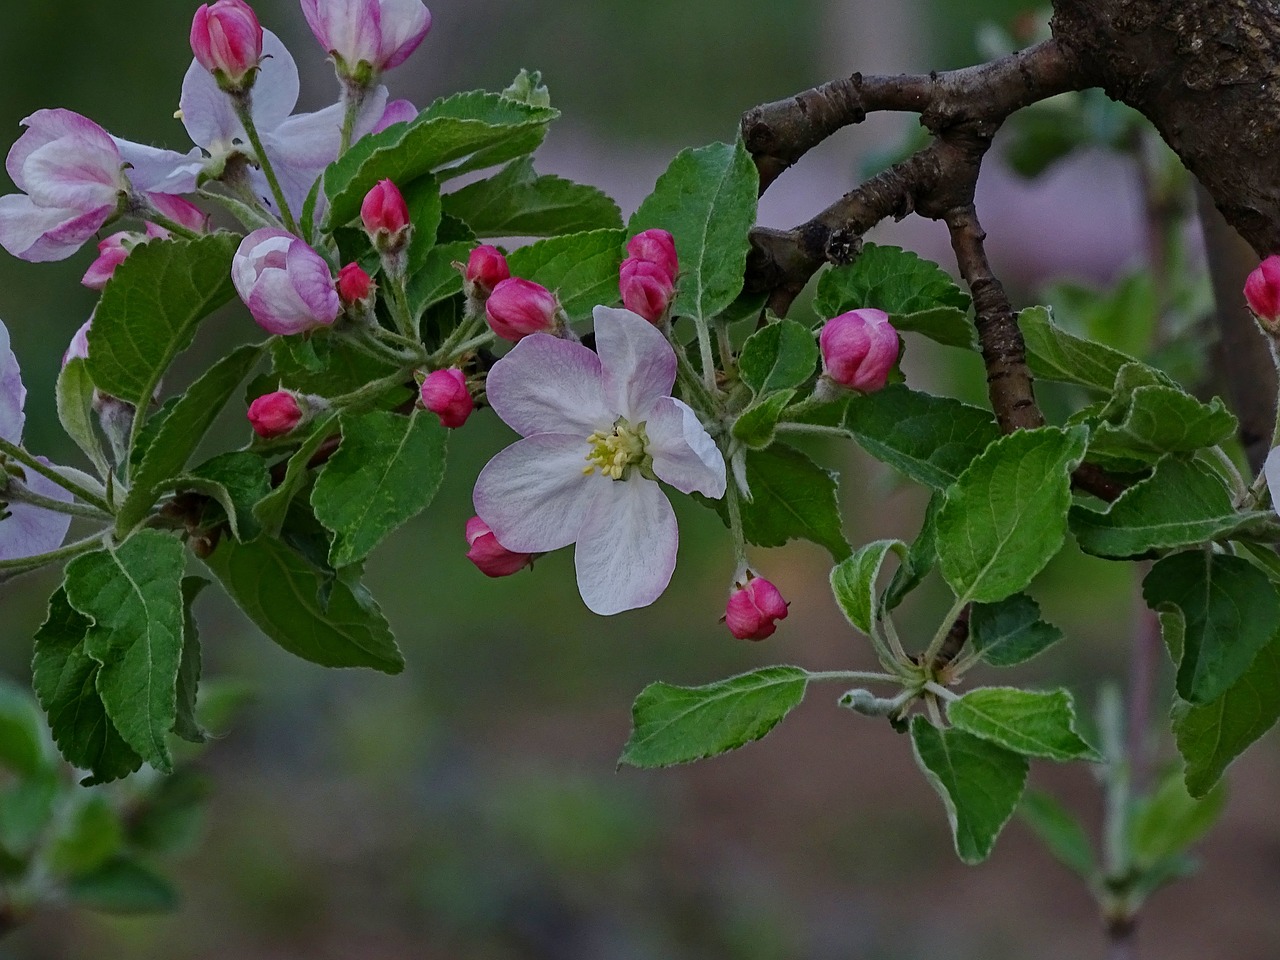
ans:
(1262, 291)
(517, 308)
(385, 215)
(112, 252)
(646, 288)
(486, 268)
(754, 609)
(275, 414)
(285, 284)
(657, 247)
(445, 393)
(859, 348)
(380, 33)
(490, 557)
(354, 285)
(180, 211)
(227, 41)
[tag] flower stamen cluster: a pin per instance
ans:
(614, 452)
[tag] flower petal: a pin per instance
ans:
(639, 365)
(1271, 469)
(153, 170)
(29, 530)
(549, 385)
(74, 175)
(39, 234)
(207, 112)
(533, 494)
(626, 547)
(46, 126)
(12, 393)
(684, 455)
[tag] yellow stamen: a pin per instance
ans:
(614, 452)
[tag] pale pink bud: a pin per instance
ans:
(275, 414)
(657, 247)
(445, 393)
(380, 33)
(112, 252)
(1262, 291)
(518, 307)
(354, 284)
(490, 557)
(859, 349)
(646, 288)
(78, 349)
(285, 284)
(385, 216)
(180, 211)
(754, 609)
(486, 268)
(226, 39)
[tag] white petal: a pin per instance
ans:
(29, 530)
(684, 455)
(12, 393)
(207, 112)
(626, 547)
(154, 170)
(549, 385)
(533, 494)
(639, 365)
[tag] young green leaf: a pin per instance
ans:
(1054, 354)
(949, 326)
(150, 309)
(1212, 735)
(75, 411)
(921, 558)
(891, 279)
(792, 498)
(132, 594)
(1006, 516)
(89, 834)
(680, 724)
(1060, 832)
(22, 739)
(853, 581)
(236, 481)
(1229, 612)
(281, 593)
(1161, 420)
(1010, 631)
(1170, 821)
(185, 724)
(1036, 724)
(930, 439)
(271, 509)
(580, 268)
(781, 355)
(707, 200)
(123, 886)
(979, 783)
(386, 470)
(517, 202)
(436, 278)
(757, 425)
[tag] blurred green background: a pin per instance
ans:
(469, 809)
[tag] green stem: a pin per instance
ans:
(21, 564)
(735, 526)
(704, 351)
(149, 212)
(468, 345)
(1232, 473)
(27, 460)
(23, 494)
(931, 652)
(938, 690)
(371, 390)
(352, 98)
(251, 215)
(854, 676)
(240, 102)
(813, 428)
(1259, 491)
(695, 390)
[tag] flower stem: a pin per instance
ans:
(708, 359)
(251, 215)
(145, 209)
(22, 564)
(854, 676)
(18, 493)
(931, 652)
(814, 428)
(352, 99)
(735, 526)
(27, 460)
(371, 390)
(240, 102)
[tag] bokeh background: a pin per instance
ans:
(470, 809)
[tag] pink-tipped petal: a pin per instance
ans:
(627, 545)
(40, 234)
(531, 494)
(549, 385)
(684, 455)
(13, 394)
(637, 362)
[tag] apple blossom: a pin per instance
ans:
(445, 393)
(859, 349)
(754, 608)
(490, 557)
(1262, 291)
(599, 430)
(275, 414)
(226, 39)
(646, 288)
(285, 284)
(379, 33)
(518, 307)
(657, 247)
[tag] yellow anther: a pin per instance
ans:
(612, 453)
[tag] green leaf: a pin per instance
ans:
(978, 781)
(426, 209)
(1181, 504)
(132, 593)
(169, 818)
(21, 732)
(1036, 724)
(90, 834)
(792, 498)
(757, 425)
(185, 724)
(464, 132)
(271, 509)
(280, 592)
(949, 326)
(921, 558)
(237, 481)
(1163, 420)
(889, 279)
(75, 411)
(1060, 832)
(64, 677)
(1010, 631)
(1171, 821)
(182, 431)
(1212, 735)
(436, 278)
(1054, 354)
(150, 309)
(1006, 516)
(679, 724)
(1229, 612)
(853, 581)
(26, 809)
(707, 200)
(123, 886)
(519, 203)
(930, 439)
(784, 354)
(580, 268)
(386, 470)
(323, 364)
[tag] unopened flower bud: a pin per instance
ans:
(490, 557)
(354, 285)
(275, 414)
(657, 247)
(518, 307)
(1262, 291)
(445, 393)
(385, 216)
(486, 268)
(226, 39)
(859, 349)
(754, 609)
(380, 34)
(285, 284)
(646, 288)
